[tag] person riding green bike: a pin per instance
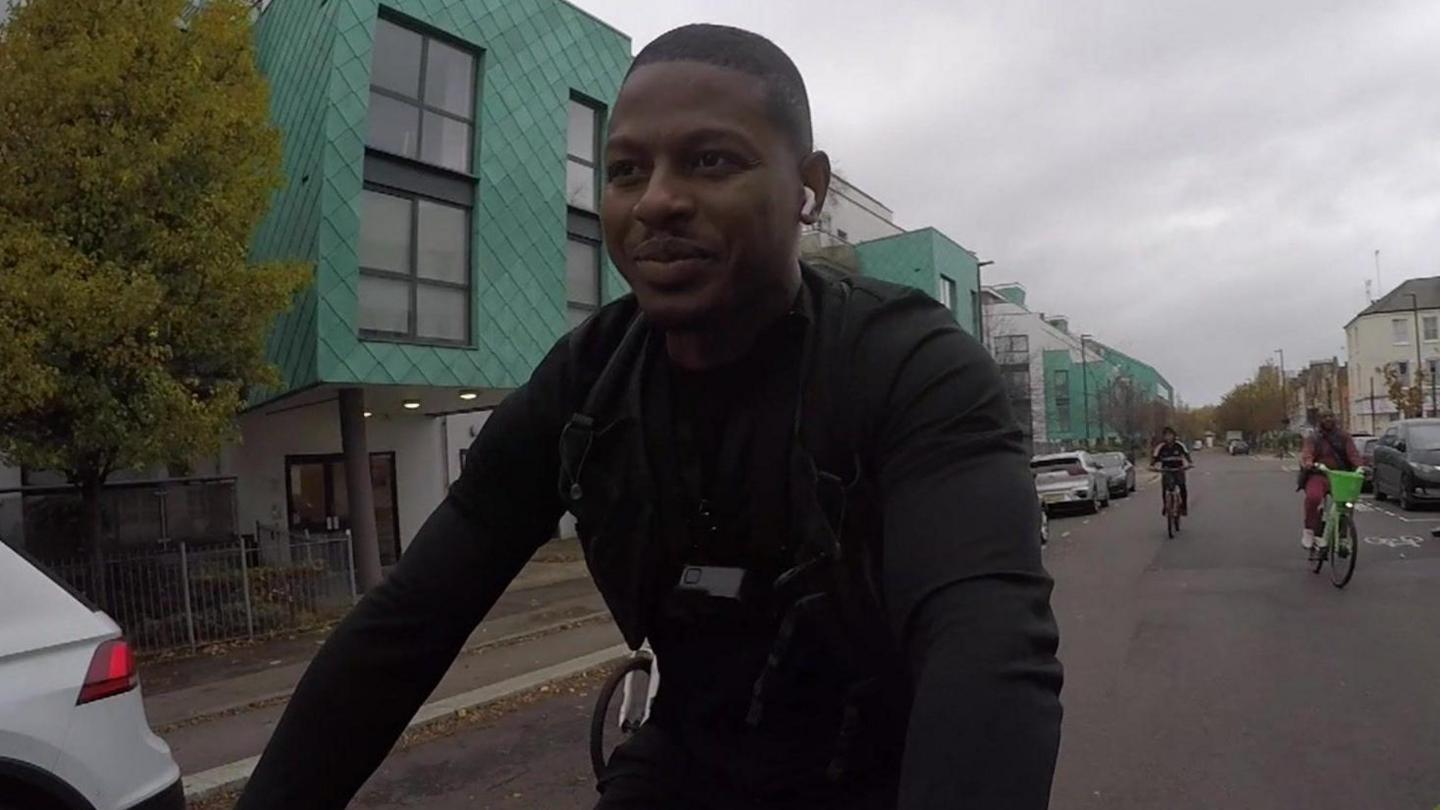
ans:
(1172, 460)
(1332, 447)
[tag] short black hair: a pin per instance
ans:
(747, 52)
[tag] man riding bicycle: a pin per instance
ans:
(1172, 460)
(804, 489)
(1332, 447)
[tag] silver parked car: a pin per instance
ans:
(1071, 480)
(1119, 473)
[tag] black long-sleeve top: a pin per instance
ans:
(963, 582)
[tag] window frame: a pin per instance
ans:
(428, 35)
(948, 290)
(583, 227)
(415, 280)
(1430, 328)
(597, 111)
(1400, 331)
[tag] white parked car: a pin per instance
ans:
(1071, 480)
(73, 733)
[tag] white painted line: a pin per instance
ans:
(234, 774)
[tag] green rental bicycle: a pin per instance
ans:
(1341, 542)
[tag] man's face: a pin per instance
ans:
(1169, 437)
(1327, 423)
(702, 200)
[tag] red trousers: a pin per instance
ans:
(1316, 486)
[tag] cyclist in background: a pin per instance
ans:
(1327, 444)
(1172, 459)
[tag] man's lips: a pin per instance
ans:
(666, 251)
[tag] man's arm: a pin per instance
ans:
(385, 658)
(964, 585)
(1307, 451)
(1356, 460)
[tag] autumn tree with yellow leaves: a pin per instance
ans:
(136, 161)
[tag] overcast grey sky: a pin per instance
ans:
(1196, 183)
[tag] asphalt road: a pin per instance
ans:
(1212, 670)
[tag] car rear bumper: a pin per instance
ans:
(1052, 500)
(171, 798)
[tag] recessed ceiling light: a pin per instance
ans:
(469, 395)
(411, 404)
(368, 414)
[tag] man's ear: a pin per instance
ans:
(815, 176)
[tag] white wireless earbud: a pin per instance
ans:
(808, 209)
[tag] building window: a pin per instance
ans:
(414, 267)
(1400, 330)
(422, 98)
(1430, 328)
(947, 292)
(1061, 379)
(415, 210)
(1017, 383)
(1402, 368)
(582, 267)
(1012, 349)
(582, 195)
(582, 187)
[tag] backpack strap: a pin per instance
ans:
(579, 433)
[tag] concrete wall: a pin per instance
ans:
(267, 438)
(860, 216)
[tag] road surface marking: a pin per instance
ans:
(1409, 540)
(1371, 506)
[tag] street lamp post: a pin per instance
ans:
(1085, 387)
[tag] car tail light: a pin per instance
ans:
(112, 672)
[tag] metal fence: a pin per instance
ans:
(192, 595)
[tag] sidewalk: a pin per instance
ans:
(552, 591)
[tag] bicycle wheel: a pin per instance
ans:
(1343, 552)
(607, 722)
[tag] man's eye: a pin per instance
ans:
(620, 169)
(712, 160)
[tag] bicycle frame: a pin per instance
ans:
(1333, 513)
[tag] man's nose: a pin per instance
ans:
(666, 201)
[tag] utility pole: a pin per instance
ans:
(1415, 311)
(1374, 423)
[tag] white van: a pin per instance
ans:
(73, 733)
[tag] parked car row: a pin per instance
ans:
(1406, 463)
(1082, 480)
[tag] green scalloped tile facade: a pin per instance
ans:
(917, 259)
(533, 55)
